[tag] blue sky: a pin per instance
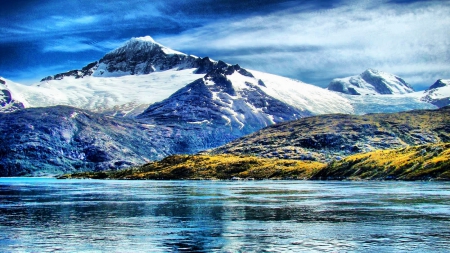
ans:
(313, 41)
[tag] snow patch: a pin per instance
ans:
(104, 93)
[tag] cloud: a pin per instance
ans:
(64, 22)
(79, 44)
(401, 39)
(313, 41)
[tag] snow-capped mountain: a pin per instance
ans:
(371, 82)
(139, 56)
(229, 102)
(227, 96)
(142, 72)
(438, 93)
(236, 97)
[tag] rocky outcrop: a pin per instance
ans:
(439, 83)
(87, 70)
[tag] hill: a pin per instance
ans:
(211, 167)
(331, 137)
(424, 162)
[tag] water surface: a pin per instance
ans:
(48, 215)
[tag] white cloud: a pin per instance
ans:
(79, 44)
(63, 22)
(408, 40)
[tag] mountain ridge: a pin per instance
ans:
(142, 72)
(327, 137)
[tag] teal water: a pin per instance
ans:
(49, 215)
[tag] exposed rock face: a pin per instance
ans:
(438, 94)
(327, 137)
(439, 83)
(87, 70)
(55, 140)
(371, 82)
(139, 56)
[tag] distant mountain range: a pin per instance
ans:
(371, 82)
(157, 101)
(142, 72)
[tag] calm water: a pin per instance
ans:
(46, 215)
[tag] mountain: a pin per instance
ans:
(139, 56)
(332, 137)
(371, 82)
(127, 80)
(232, 97)
(438, 94)
(122, 83)
(56, 140)
(175, 104)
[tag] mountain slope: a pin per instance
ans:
(328, 137)
(55, 140)
(229, 102)
(371, 82)
(228, 96)
(438, 94)
(425, 162)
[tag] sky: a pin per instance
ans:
(312, 41)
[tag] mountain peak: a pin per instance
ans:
(144, 44)
(371, 82)
(143, 39)
(439, 83)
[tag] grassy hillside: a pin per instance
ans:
(212, 167)
(422, 162)
(329, 137)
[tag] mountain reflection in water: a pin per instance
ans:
(38, 215)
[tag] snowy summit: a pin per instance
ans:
(371, 82)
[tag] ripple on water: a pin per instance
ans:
(222, 216)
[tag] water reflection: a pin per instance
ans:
(207, 216)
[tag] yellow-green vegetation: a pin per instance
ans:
(431, 161)
(212, 167)
(424, 162)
